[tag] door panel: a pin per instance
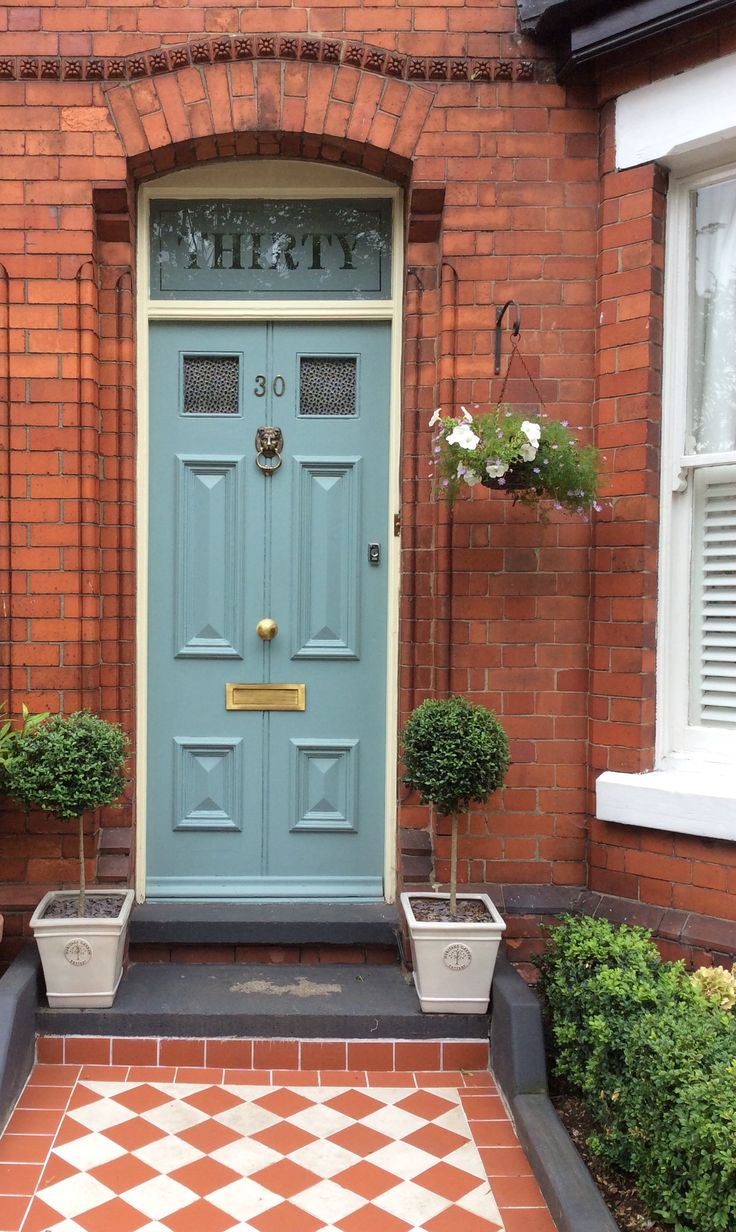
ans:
(267, 803)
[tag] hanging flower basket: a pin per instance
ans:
(536, 458)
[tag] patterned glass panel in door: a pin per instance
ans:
(327, 385)
(211, 385)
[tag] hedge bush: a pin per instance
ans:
(655, 1062)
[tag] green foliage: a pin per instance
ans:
(10, 735)
(454, 752)
(67, 765)
(655, 1061)
(535, 458)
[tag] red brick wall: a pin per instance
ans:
(551, 625)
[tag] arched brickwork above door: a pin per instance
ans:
(335, 113)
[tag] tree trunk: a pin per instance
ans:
(82, 883)
(453, 868)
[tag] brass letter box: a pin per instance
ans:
(265, 696)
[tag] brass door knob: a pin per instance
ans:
(267, 629)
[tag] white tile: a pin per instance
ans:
(451, 1094)
(67, 1225)
(75, 1195)
(402, 1160)
(324, 1158)
(320, 1121)
(388, 1095)
(109, 1089)
(89, 1152)
(159, 1197)
(456, 1121)
(247, 1119)
(246, 1156)
(247, 1093)
(179, 1090)
(481, 1202)
(103, 1114)
(328, 1201)
(167, 1154)
(411, 1202)
(175, 1116)
(244, 1199)
(467, 1159)
(320, 1095)
(394, 1122)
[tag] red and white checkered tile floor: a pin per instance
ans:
(156, 1149)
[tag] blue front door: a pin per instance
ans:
(270, 801)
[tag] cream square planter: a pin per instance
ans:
(453, 960)
(82, 958)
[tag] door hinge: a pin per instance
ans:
(397, 523)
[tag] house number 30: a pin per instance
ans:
(278, 386)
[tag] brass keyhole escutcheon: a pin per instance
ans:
(267, 629)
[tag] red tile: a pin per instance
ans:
(54, 1075)
(124, 1173)
(34, 1121)
(454, 1219)
(203, 1074)
(19, 1178)
(426, 1105)
(247, 1077)
(370, 1054)
(483, 1107)
(354, 1104)
(285, 1217)
(204, 1176)
(181, 1052)
(44, 1097)
(151, 1073)
(365, 1179)
(285, 1177)
(418, 1054)
(283, 1137)
(371, 1218)
(324, 1054)
(24, 1148)
(104, 1073)
(82, 1095)
(114, 1216)
(87, 1050)
(360, 1139)
(435, 1139)
(517, 1191)
(12, 1211)
(527, 1221)
(295, 1077)
(50, 1049)
(447, 1181)
(134, 1134)
(342, 1078)
(438, 1078)
(504, 1161)
(142, 1098)
(465, 1054)
(208, 1136)
(134, 1051)
(212, 1100)
(275, 1054)
(229, 1053)
(390, 1078)
(57, 1169)
(477, 1078)
(201, 1216)
(493, 1133)
(40, 1217)
(283, 1103)
(69, 1131)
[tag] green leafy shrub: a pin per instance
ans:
(9, 735)
(454, 752)
(655, 1061)
(68, 766)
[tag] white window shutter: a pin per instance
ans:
(713, 600)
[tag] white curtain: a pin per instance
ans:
(713, 386)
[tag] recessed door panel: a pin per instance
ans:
(260, 575)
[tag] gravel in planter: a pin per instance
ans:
(106, 907)
(469, 910)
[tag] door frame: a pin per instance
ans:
(258, 178)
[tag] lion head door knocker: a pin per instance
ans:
(269, 444)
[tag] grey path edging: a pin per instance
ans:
(519, 1067)
(19, 993)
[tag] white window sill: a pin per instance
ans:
(699, 799)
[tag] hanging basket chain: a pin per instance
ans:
(516, 353)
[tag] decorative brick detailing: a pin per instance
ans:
(269, 47)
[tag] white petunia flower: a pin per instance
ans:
(532, 432)
(496, 469)
(471, 479)
(466, 415)
(436, 417)
(528, 453)
(464, 436)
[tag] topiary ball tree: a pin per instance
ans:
(68, 766)
(455, 753)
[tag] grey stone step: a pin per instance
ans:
(264, 923)
(277, 1002)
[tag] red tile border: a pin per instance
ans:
(343, 1055)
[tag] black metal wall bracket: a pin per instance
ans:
(515, 329)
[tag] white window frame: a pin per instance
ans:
(692, 788)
